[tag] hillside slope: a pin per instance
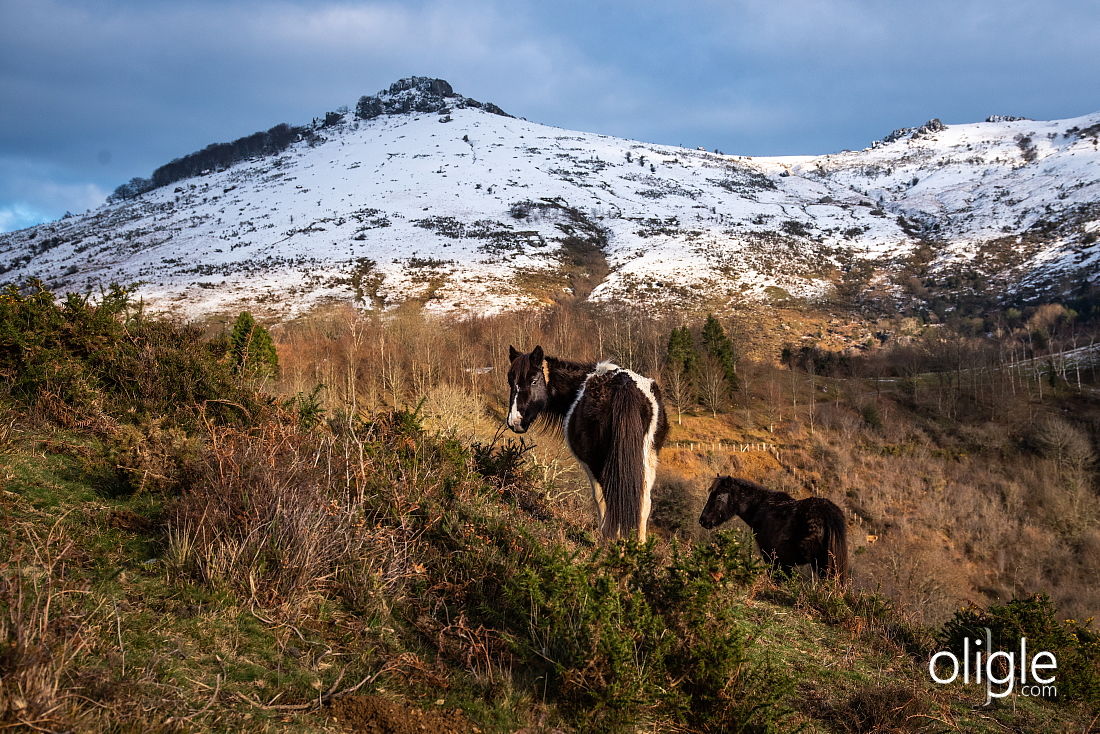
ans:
(464, 208)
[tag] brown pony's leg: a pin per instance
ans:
(597, 495)
(817, 568)
(777, 566)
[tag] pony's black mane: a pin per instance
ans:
(566, 379)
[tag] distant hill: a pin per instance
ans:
(419, 193)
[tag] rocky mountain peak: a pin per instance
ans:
(418, 94)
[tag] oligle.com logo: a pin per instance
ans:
(999, 670)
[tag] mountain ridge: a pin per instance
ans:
(426, 195)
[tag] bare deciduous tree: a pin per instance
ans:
(713, 386)
(679, 389)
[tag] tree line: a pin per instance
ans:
(214, 157)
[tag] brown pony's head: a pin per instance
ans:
(527, 388)
(724, 502)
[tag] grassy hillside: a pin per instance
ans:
(185, 551)
(964, 454)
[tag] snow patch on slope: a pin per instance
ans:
(468, 211)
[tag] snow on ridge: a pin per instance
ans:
(466, 211)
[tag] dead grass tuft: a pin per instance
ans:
(280, 515)
(45, 626)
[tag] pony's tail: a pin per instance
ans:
(623, 476)
(835, 562)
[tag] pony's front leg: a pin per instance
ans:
(817, 569)
(783, 570)
(778, 568)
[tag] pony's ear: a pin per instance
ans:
(536, 356)
(512, 353)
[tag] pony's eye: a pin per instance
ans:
(535, 381)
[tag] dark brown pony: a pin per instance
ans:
(613, 422)
(789, 532)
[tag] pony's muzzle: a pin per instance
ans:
(515, 418)
(516, 423)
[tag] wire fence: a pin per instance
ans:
(727, 446)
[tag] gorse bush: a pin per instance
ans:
(503, 464)
(627, 639)
(51, 348)
(82, 360)
(153, 457)
(1075, 645)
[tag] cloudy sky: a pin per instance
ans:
(94, 93)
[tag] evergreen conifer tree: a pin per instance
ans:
(718, 345)
(251, 347)
(681, 349)
(679, 373)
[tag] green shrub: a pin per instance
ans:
(676, 507)
(51, 347)
(152, 457)
(871, 416)
(307, 407)
(1075, 646)
(624, 640)
(80, 360)
(503, 464)
(251, 348)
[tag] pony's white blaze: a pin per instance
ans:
(515, 418)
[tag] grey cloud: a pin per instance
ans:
(97, 93)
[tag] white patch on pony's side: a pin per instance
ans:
(569, 417)
(602, 368)
(515, 419)
(646, 386)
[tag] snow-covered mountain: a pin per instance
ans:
(420, 193)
